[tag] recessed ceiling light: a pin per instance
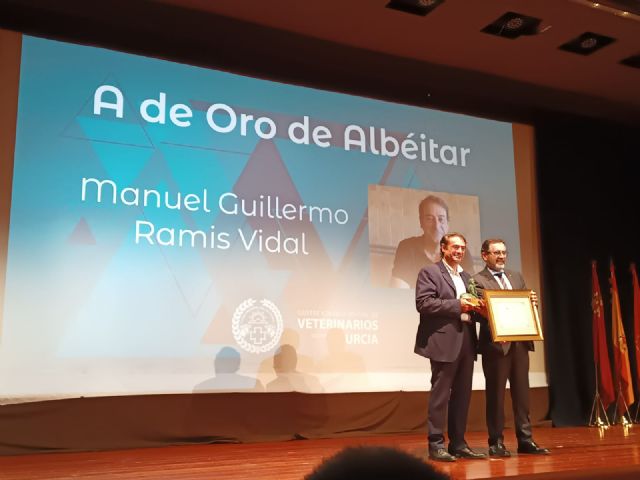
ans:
(512, 25)
(587, 43)
(415, 7)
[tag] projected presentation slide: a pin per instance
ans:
(176, 229)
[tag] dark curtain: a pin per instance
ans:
(588, 197)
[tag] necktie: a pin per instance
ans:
(503, 286)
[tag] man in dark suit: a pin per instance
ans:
(502, 361)
(447, 337)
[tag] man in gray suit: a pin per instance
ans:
(502, 361)
(447, 337)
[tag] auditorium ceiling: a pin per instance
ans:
(442, 59)
(451, 34)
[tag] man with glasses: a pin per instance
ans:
(502, 361)
(413, 253)
(447, 337)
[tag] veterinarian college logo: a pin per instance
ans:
(257, 325)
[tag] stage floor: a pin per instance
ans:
(575, 453)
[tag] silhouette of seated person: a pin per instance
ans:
(303, 362)
(227, 378)
(371, 462)
(288, 378)
(339, 358)
(413, 253)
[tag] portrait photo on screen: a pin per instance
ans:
(405, 228)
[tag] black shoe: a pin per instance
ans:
(466, 452)
(499, 450)
(531, 447)
(441, 455)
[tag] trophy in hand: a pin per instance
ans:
(472, 295)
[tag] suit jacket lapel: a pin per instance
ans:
(446, 276)
(490, 278)
(516, 285)
(465, 278)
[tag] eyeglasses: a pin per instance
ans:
(499, 253)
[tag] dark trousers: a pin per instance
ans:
(498, 368)
(451, 384)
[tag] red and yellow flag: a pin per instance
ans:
(636, 317)
(600, 352)
(620, 352)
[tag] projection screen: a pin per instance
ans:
(174, 229)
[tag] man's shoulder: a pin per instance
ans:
(484, 273)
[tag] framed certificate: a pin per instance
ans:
(512, 316)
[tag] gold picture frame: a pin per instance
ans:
(512, 316)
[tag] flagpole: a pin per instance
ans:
(597, 332)
(636, 327)
(623, 420)
(594, 419)
(621, 355)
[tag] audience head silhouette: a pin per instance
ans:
(227, 360)
(380, 463)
